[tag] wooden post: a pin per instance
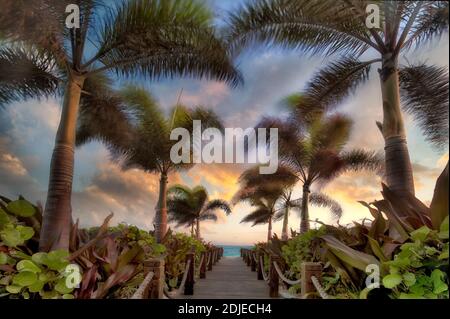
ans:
(155, 289)
(189, 285)
(248, 258)
(210, 257)
(252, 261)
(259, 266)
(242, 255)
(203, 265)
(273, 277)
(309, 269)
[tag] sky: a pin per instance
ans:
(27, 131)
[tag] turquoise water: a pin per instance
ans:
(232, 251)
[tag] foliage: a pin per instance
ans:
(419, 269)
(177, 246)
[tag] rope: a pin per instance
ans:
(319, 288)
(286, 280)
(171, 295)
(139, 294)
(261, 265)
(254, 258)
(209, 259)
(199, 267)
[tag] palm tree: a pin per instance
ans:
(339, 26)
(282, 183)
(137, 133)
(152, 38)
(189, 206)
(314, 152)
(263, 198)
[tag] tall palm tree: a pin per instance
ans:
(282, 183)
(152, 38)
(315, 152)
(137, 133)
(339, 27)
(263, 198)
(189, 206)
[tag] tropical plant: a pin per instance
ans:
(314, 152)
(330, 27)
(139, 37)
(188, 206)
(177, 246)
(142, 137)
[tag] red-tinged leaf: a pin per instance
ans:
(439, 205)
(117, 278)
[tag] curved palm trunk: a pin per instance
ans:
(57, 219)
(304, 216)
(269, 230)
(198, 229)
(284, 232)
(161, 210)
(399, 174)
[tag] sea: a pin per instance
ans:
(232, 251)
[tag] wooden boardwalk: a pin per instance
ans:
(230, 279)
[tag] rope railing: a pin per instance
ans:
(140, 292)
(319, 288)
(282, 277)
(261, 265)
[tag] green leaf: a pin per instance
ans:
(25, 232)
(4, 218)
(410, 296)
(62, 288)
(392, 280)
(421, 233)
(439, 286)
(25, 278)
(377, 249)
(13, 289)
(444, 230)
(40, 258)
(68, 296)
(409, 279)
(57, 259)
(28, 265)
(3, 258)
(21, 208)
(11, 237)
(37, 286)
(53, 294)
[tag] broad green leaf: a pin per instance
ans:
(3, 258)
(421, 233)
(37, 286)
(11, 237)
(444, 254)
(439, 286)
(53, 294)
(20, 255)
(13, 289)
(21, 208)
(25, 295)
(392, 280)
(57, 259)
(28, 265)
(62, 288)
(4, 218)
(409, 279)
(348, 255)
(25, 278)
(377, 249)
(68, 296)
(25, 232)
(443, 230)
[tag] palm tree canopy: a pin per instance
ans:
(186, 205)
(329, 26)
(135, 129)
(152, 38)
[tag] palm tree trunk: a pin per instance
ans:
(198, 229)
(304, 216)
(269, 230)
(57, 219)
(399, 174)
(284, 232)
(161, 210)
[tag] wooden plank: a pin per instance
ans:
(230, 279)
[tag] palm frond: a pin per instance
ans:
(217, 204)
(257, 216)
(26, 74)
(310, 26)
(424, 93)
(322, 200)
